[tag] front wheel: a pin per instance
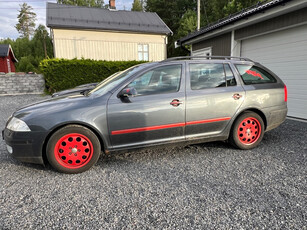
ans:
(247, 131)
(73, 149)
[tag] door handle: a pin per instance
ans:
(175, 103)
(237, 96)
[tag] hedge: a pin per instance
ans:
(63, 74)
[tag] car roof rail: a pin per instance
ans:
(207, 57)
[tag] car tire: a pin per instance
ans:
(73, 149)
(247, 131)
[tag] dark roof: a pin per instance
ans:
(5, 49)
(258, 8)
(68, 16)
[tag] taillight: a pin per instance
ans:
(286, 93)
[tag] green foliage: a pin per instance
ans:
(62, 74)
(26, 21)
(29, 53)
(188, 23)
(179, 15)
(42, 43)
(88, 3)
(171, 12)
(137, 6)
(25, 64)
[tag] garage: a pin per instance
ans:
(284, 52)
(273, 33)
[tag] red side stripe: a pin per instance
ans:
(208, 121)
(124, 131)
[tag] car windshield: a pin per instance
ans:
(113, 80)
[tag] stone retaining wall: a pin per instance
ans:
(22, 84)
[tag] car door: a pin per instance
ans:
(212, 98)
(156, 114)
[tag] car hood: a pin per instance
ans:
(53, 105)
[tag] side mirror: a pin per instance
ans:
(127, 92)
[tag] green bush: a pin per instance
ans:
(25, 64)
(63, 74)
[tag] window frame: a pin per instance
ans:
(143, 52)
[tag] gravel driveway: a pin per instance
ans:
(206, 186)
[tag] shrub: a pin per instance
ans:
(25, 64)
(63, 74)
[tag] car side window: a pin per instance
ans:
(203, 76)
(165, 79)
(254, 74)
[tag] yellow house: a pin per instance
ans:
(106, 34)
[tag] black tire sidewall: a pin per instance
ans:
(67, 130)
(234, 139)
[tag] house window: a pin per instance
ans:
(143, 52)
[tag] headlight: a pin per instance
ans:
(17, 125)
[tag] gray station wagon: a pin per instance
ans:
(184, 99)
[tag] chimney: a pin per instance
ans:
(112, 4)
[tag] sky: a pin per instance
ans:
(9, 11)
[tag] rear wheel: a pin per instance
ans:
(73, 149)
(247, 131)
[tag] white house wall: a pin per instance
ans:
(101, 45)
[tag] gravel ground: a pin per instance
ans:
(205, 186)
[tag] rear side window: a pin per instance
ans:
(204, 76)
(254, 75)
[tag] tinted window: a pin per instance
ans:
(164, 79)
(207, 76)
(254, 75)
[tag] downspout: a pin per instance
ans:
(178, 43)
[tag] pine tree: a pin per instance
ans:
(26, 21)
(137, 6)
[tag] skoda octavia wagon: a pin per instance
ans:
(184, 99)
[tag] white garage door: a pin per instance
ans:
(285, 53)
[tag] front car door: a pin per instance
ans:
(155, 115)
(212, 98)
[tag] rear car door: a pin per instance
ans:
(213, 96)
(156, 114)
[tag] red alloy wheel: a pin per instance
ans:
(73, 150)
(249, 131)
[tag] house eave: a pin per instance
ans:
(108, 30)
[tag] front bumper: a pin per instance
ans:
(26, 146)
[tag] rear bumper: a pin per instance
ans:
(26, 146)
(276, 118)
